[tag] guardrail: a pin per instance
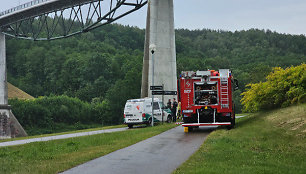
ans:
(23, 6)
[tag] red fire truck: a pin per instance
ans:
(207, 98)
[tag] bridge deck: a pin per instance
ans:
(36, 8)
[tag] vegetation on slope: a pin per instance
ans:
(266, 142)
(14, 92)
(283, 87)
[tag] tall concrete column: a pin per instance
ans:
(4, 109)
(9, 125)
(160, 31)
(3, 80)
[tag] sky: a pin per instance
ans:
(282, 16)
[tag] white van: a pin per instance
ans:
(139, 111)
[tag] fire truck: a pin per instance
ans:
(207, 98)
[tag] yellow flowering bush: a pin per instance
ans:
(283, 87)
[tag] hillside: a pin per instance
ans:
(266, 142)
(105, 65)
(14, 92)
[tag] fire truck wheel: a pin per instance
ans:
(233, 120)
(232, 124)
(130, 126)
(169, 119)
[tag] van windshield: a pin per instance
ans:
(155, 106)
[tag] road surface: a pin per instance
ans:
(241, 116)
(160, 154)
(57, 137)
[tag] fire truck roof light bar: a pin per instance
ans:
(203, 73)
(206, 124)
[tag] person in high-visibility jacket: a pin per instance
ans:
(179, 110)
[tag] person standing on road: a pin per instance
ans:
(174, 106)
(179, 110)
(169, 104)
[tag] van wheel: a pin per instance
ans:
(169, 119)
(130, 126)
(149, 122)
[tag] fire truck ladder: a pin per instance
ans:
(224, 92)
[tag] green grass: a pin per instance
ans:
(270, 142)
(59, 155)
(62, 133)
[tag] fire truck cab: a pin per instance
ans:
(206, 98)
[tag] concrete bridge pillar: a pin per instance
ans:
(9, 125)
(3, 81)
(4, 108)
(160, 32)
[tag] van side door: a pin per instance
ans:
(157, 111)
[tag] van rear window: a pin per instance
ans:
(128, 107)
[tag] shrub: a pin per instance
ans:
(65, 109)
(283, 87)
(56, 113)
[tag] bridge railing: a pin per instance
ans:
(23, 6)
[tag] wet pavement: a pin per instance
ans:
(57, 137)
(241, 116)
(160, 154)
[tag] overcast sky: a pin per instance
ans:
(283, 16)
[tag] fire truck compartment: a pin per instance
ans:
(205, 93)
(206, 115)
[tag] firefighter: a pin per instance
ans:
(173, 110)
(179, 110)
(169, 104)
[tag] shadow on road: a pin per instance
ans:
(203, 130)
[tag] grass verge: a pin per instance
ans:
(269, 142)
(59, 155)
(62, 133)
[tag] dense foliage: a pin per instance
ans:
(283, 87)
(104, 66)
(59, 113)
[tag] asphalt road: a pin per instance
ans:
(57, 137)
(241, 116)
(160, 154)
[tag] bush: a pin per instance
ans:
(66, 109)
(284, 87)
(57, 113)
(31, 114)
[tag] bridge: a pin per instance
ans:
(45, 20)
(49, 15)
